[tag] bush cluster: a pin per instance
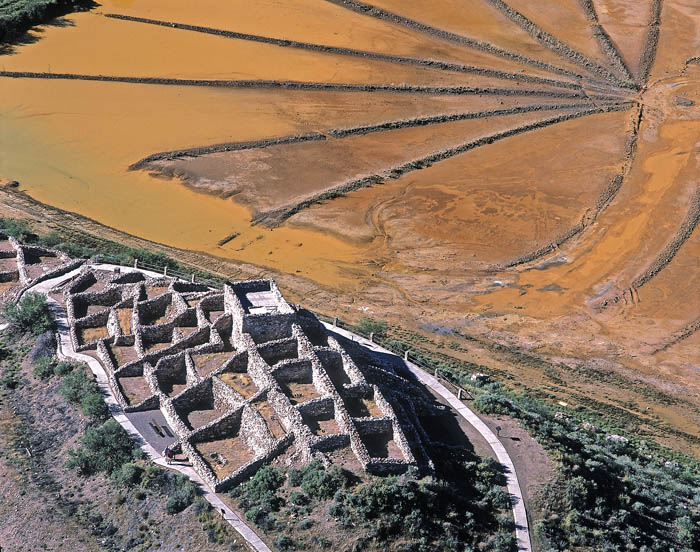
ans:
(78, 388)
(454, 510)
(31, 316)
(103, 449)
(46, 366)
(430, 513)
(608, 495)
(260, 496)
(316, 481)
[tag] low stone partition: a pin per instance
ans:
(293, 370)
(200, 466)
(224, 395)
(317, 407)
(105, 357)
(128, 278)
(330, 442)
(188, 287)
(268, 327)
(248, 470)
(255, 432)
(371, 426)
(230, 424)
(9, 276)
(149, 403)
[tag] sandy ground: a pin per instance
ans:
(426, 249)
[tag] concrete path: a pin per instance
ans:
(65, 350)
(522, 532)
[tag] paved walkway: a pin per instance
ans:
(522, 532)
(65, 350)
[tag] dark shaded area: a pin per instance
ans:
(19, 16)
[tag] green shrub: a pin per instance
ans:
(62, 368)
(183, 492)
(17, 228)
(201, 506)
(294, 476)
(367, 326)
(44, 367)
(305, 524)
(154, 477)
(494, 404)
(76, 386)
(10, 377)
(284, 543)
(261, 490)
(689, 532)
(102, 449)
(32, 315)
(298, 498)
(127, 475)
(319, 483)
(94, 407)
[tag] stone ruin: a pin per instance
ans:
(22, 266)
(242, 377)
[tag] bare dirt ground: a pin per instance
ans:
(44, 505)
(564, 255)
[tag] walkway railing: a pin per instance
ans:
(406, 352)
(167, 270)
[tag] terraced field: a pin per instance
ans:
(521, 170)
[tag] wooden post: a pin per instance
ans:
(136, 263)
(459, 394)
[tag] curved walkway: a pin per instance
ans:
(65, 350)
(522, 533)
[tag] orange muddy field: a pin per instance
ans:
(453, 166)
